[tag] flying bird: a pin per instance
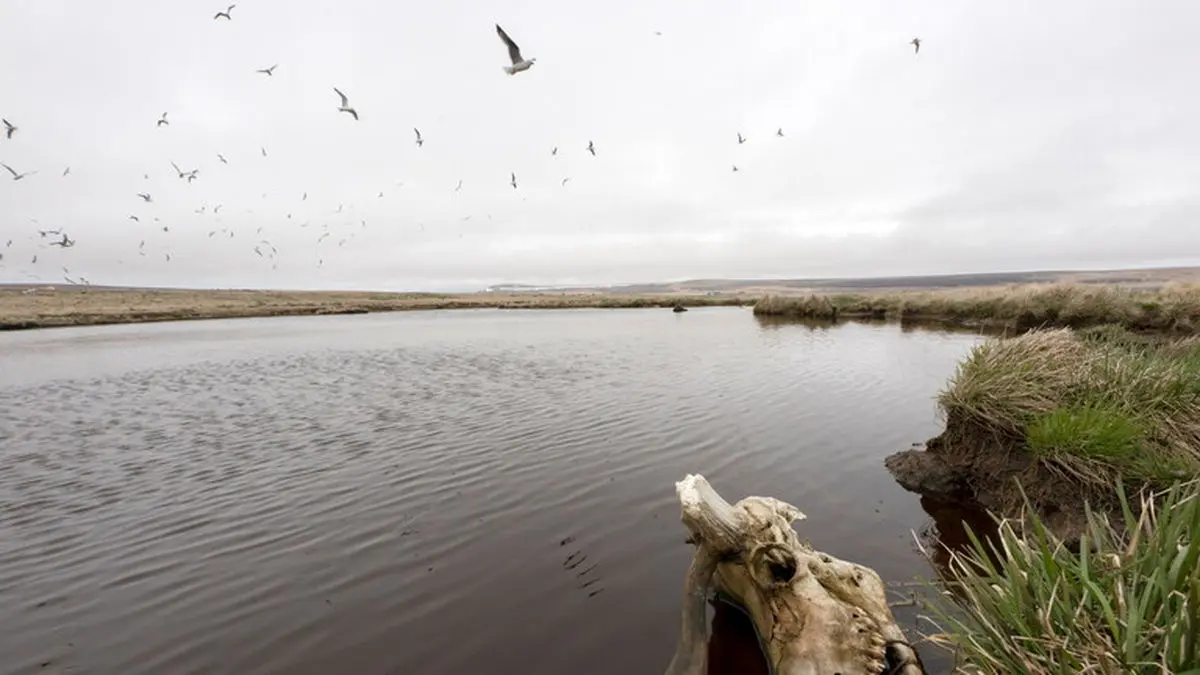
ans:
(554, 151)
(145, 197)
(779, 132)
(916, 43)
(264, 151)
(740, 138)
(735, 167)
(66, 170)
(420, 141)
(564, 181)
(591, 148)
(17, 176)
(222, 158)
(162, 120)
(519, 63)
(9, 129)
(135, 219)
(224, 14)
(459, 186)
(268, 71)
(345, 106)
(514, 181)
(66, 242)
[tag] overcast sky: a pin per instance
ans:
(1024, 135)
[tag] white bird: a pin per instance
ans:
(459, 186)
(9, 129)
(740, 139)
(222, 158)
(916, 43)
(779, 132)
(564, 181)
(17, 176)
(145, 197)
(735, 167)
(162, 120)
(345, 106)
(268, 71)
(420, 141)
(554, 151)
(224, 14)
(514, 181)
(135, 219)
(591, 148)
(264, 151)
(519, 63)
(66, 170)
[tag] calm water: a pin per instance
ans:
(389, 493)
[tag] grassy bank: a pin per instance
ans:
(1175, 307)
(1084, 408)
(1085, 577)
(1127, 602)
(73, 306)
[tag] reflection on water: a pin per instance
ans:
(402, 493)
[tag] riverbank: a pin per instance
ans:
(1173, 307)
(47, 307)
(1076, 437)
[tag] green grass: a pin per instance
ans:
(1090, 406)
(1128, 601)
(1172, 308)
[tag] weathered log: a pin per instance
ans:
(815, 614)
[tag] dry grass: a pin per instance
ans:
(77, 307)
(1174, 307)
(1090, 406)
(1127, 602)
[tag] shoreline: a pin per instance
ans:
(22, 309)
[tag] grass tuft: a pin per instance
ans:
(1128, 601)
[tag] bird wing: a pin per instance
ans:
(345, 101)
(418, 132)
(10, 169)
(176, 168)
(514, 52)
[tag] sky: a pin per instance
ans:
(1024, 135)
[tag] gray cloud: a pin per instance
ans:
(1023, 136)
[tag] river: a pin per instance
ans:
(399, 493)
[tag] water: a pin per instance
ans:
(390, 493)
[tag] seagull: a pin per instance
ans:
(17, 176)
(779, 132)
(554, 151)
(217, 208)
(163, 120)
(66, 242)
(519, 62)
(735, 167)
(459, 186)
(135, 219)
(591, 148)
(222, 158)
(267, 71)
(564, 181)
(224, 14)
(66, 170)
(916, 43)
(345, 106)
(9, 129)
(514, 181)
(420, 141)
(177, 170)
(191, 176)
(264, 151)
(740, 139)
(305, 197)
(145, 197)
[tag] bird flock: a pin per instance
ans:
(262, 247)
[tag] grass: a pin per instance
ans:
(1089, 406)
(1128, 601)
(1174, 307)
(75, 306)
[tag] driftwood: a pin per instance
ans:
(815, 614)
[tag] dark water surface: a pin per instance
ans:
(389, 493)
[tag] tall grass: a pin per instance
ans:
(1174, 307)
(1091, 406)
(1127, 602)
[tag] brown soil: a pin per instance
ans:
(973, 466)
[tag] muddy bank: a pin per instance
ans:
(978, 469)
